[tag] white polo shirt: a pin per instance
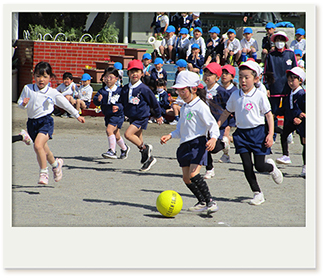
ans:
(248, 44)
(85, 93)
(233, 46)
(250, 108)
(66, 90)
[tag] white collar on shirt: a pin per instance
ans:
(114, 88)
(213, 89)
(134, 85)
(192, 102)
(251, 93)
(43, 90)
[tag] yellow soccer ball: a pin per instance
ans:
(169, 203)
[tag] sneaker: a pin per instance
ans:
(284, 160)
(110, 154)
(276, 173)
(212, 207)
(225, 140)
(44, 179)
(124, 153)
(175, 122)
(198, 207)
(148, 164)
(290, 139)
(146, 153)
(57, 171)
(303, 173)
(258, 198)
(209, 174)
(64, 115)
(225, 158)
(26, 138)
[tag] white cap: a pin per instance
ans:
(186, 79)
(279, 33)
(299, 72)
(196, 14)
(253, 66)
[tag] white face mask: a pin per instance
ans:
(280, 45)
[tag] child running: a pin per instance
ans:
(251, 107)
(39, 100)
(137, 100)
(107, 97)
(195, 122)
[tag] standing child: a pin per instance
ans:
(249, 45)
(251, 107)
(84, 93)
(137, 99)
(39, 100)
(195, 22)
(294, 115)
(119, 67)
(217, 97)
(107, 97)
(184, 21)
(232, 48)
(196, 121)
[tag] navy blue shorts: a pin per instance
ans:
(87, 103)
(192, 152)
(251, 140)
(139, 123)
(43, 125)
(114, 120)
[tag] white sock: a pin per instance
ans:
(122, 144)
(44, 170)
(112, 142)
(55, 164)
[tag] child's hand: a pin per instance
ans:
(302, 115)
(209, 44)
(297, 121)
(100, 97)
(81, 119)
(159, 120)
(25, 101)
(269, 140)
(165, 138)
(210, 145)
(115, 109)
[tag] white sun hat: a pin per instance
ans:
(186, 79)
(280, 33)
(299, 72)
(253, 66)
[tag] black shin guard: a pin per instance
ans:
(202, 186)
(193, 188)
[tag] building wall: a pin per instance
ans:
(63, 57)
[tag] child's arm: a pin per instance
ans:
(270, 122)
(165, 138)
(223, 117)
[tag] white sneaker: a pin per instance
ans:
(226, 142)
(303, 173)
(224, 158)
(175, 122)
(290, 139)
(209, 174)
(258, 198)
(284, 160)
(212, 207)
(198, 207)
(276, 173)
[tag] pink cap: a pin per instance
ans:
(279, 33)
(135, 64)
(230, 69)
(215, 68)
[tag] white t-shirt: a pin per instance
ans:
(195, 120)
(295, 45)
(169, 42)
(234, 45)
(164, 19)
(66, 90)
(201, 42)
(85, 93)
(248, 44)
(42, 101)
(250, 108)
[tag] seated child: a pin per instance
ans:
(67, 88)
(118, 66)
(181, 65)
(195, 60)
(267, 44)
(232, 48)
(158, 72)
(182, 44)
(167, 49)
(84, 93)
(249, 45)
(163, 98)
(147, 68)
(299, 42)
(199, 40)
(298, 55)
(214, 46)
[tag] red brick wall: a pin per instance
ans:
(63, 57)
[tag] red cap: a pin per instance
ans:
(230, 69)
(135, 64)
(215, 68)
(200, 86)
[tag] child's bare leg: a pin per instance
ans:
(71, 99)
(134, 135)
(43, 153)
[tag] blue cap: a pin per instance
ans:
(195, 46)
(214, 29)
(183, 31)
(181, 63)
(147, 56)
(158, 60)
(86, 77)
(270, 25)
(247, 30)
(118, 65)
(231, 31)
(297, 51)
(170, 28)
(199, 29)
(300, 31)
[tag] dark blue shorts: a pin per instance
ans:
(87, 103)
(251, 140)
(192, 152)
(43, 125)
(114, 120)
(139, 123)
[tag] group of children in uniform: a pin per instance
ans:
(204, 117)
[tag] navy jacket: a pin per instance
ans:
(146, 99)
(155, 74)
(298, 101)
(277, 63)
(163, 100)
(107, 107)
(218, 104)
(197, 63)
